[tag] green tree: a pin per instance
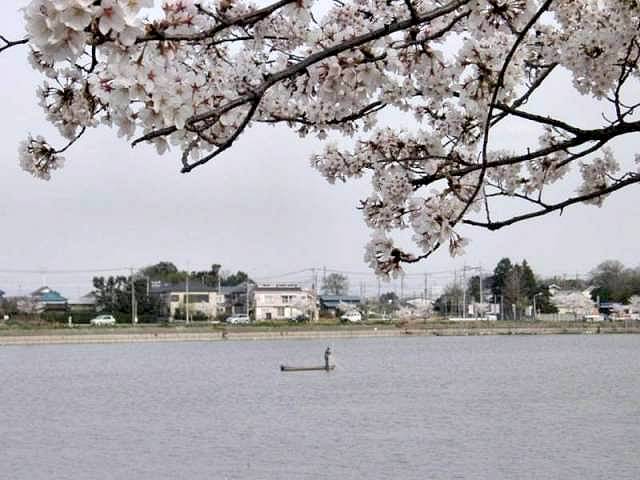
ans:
(335, 284)
(544, 303)
(113, 295)
(450, 302)
(160, 271)
(500, 273)
(528, 281)
(613, 282)
(389, 302)
(235, 279)
(209, 277)
(473, 288)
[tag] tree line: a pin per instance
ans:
(515, 285)
(113, 293)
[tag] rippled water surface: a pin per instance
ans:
(553, 407)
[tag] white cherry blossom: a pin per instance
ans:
(196, 75)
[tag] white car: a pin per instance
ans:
(103, 320)
(239, 318)
(353, 316)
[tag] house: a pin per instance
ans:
(618, 311)
(198, 298)
(84, 304)
(43, 300)
(283, 302)
(332, 303)
(236, 297)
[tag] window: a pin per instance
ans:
(280, 312)
(198, 298)
(175, 298)
(286, 299)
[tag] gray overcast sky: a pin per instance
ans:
(260, 207)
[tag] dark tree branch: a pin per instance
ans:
(601, 135)
(241, 21)
(631, 179)
(72, 141)
(9, 43)
(225, 145)
(363, 112)
(525, 97)
(540, 119)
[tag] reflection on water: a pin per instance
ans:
(563, 407)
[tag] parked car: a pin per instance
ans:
(353, 316)
(238, 318)
(302, 318)
(103, 320)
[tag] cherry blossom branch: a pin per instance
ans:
(72, 141)
(499, 84)
(222, 147)
(241, 21)
(632, 179)
(258, 93)
(369, 109)
(198, 78)
(601, 135)
(484, 163)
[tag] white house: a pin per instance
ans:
(283, 302)
(197, 298)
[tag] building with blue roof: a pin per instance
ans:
(47, 300)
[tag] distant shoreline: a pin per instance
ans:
(180, 334)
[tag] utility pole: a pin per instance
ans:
(313, 280)
(401, 287)
(378, 289)
(133, 300)
(247, 295)
(186, 298)
(481, 291)
(426, 288)
(464, 291)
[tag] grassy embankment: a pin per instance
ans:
(27, 327)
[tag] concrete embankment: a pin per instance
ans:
(191, 337)
(284, 334)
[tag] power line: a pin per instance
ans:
(61, 272)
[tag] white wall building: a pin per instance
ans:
(283, 302)
(199, 300)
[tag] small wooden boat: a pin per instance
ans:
(285, 368)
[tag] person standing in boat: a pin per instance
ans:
(327, 358)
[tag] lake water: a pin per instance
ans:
(549, 407)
